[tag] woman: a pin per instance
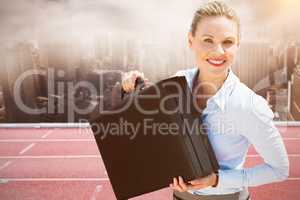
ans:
(235, 116)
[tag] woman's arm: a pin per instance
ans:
(258, 127)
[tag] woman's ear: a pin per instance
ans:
(190, 40)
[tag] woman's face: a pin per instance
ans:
(215, 44)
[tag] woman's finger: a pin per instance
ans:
(175, 182)
(182, 184)
(197, 187)
(176, 186)
(128, 85)
(196, 182)
(125, 88)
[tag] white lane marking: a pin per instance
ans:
(257, 155)
(93, 156)
(294, 178)
(296, 106)
(48, 140)
(291, 138)
(51, 156)
(5, 165)
(44, 125)
(48, 133)
(55, 179)
(82, 140)
(3, 181)
(88, 126)
(98, 189)
(27, 148)
(82, 179)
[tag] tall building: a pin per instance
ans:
(61, 58)
(17, 60)
(103, 50)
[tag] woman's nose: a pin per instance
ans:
(219, 49)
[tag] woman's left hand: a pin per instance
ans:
(199, 183)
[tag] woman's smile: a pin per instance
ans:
(216, 62)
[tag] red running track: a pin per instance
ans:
(64, 163)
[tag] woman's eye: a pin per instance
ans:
(207, 40)
(228, 42)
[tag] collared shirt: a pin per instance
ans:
(237, 117)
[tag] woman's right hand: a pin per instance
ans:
(129, 78)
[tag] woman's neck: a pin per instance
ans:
(210, 84)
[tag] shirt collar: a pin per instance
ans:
(221, 97)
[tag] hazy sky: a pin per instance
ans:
(31, 19)
(21, 19)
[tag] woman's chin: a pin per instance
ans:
(217, 70)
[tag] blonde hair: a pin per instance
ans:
(214, 9)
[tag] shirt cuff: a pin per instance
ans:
(231, 178)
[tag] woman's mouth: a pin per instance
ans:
(216, 62)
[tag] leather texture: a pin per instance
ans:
(142, 159)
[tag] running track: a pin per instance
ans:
(64, 163)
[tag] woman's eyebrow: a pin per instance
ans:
(207, 35)
(230, 38)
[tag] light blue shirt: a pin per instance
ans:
(237, 117)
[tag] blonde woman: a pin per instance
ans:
(235, 116)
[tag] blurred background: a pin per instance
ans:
(55, 45)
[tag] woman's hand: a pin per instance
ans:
(129, 78)
(199, 183)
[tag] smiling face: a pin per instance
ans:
(215, 44)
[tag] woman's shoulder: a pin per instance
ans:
(186, 72)
(245, 99)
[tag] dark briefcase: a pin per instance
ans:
(153, 135)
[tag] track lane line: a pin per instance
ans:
(47, 140)
(27, 148)
(257, 155)
(291, 138)
(54, 179)
(93, 156)
(97, 190)
(81, 179)
(5, 165)
(48, 133)
(50, 157)
(82, 140)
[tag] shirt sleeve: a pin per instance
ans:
(259, 129)
(179, 73)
